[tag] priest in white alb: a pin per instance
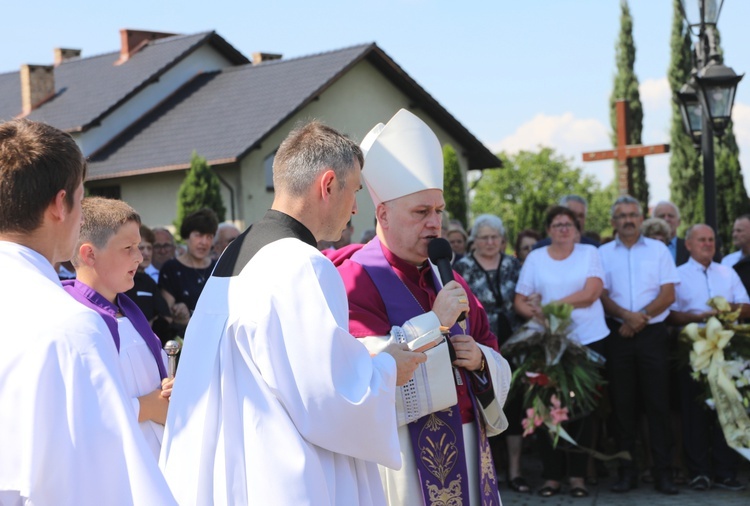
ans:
(453, 403)
(274, 401)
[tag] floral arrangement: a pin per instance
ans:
(558, 377)
(720, 358)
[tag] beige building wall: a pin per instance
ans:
(353, 105)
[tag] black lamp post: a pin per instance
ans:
(706, 100)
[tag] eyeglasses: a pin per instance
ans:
(560, 226)
(623, 216)
(164, 245)
(488, 238)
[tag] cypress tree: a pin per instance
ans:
(455, 189)
(626, 87)
(731, 195)
(685, 166)
(199, 189)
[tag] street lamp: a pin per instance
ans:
(692, 112)
(706, 100)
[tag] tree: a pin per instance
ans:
(455, 189)
(199, 189)
(626, 87)
(685, 164)
(685, 167)
(529, 183)
(731, 195)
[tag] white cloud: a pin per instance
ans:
(568, 135)
(565, 133)
(571, 136)
(655, 94)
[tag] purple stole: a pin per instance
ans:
(108, 311)
(437, 439)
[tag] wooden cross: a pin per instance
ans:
(624, 151)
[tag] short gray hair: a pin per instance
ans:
(625, 199)
(487, 220)
(306, 151)
(574, 198)
(668, 203)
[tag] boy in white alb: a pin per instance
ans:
(106, 259)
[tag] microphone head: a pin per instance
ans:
(439, 249)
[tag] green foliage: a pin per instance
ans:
(731, 195)
(626, 87)
(454, 187)
(529, 183)
(199, 189)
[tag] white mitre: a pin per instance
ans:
(401, 158)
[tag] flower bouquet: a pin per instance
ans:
(720, 359)
(558, 377)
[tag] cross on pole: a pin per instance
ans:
(624, 151)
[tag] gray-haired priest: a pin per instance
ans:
(449, 409)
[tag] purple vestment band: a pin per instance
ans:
(108, 311)
(437, 438)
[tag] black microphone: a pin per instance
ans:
(440, 253)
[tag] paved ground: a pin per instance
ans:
(643, 495)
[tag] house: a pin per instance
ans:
(139, 113)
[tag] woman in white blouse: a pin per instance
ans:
(572, 273)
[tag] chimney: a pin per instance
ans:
(263, 57)
(132, 41)
(37, 85)
(64, 54)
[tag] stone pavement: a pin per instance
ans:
(643, 495)
(600, 494)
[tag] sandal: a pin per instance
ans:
(518, 484)
(549, 491)
(579, 492)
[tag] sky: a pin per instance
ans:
(517, 74)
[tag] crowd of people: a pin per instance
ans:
(317, 370)
(631, 296)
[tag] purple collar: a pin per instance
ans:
(108, 311)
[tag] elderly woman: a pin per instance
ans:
(657, 228)
(182, 279)
(492, 276)
(565, 272)
(525, 243)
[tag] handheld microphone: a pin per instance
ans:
(440, 253)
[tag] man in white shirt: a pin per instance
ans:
(640, 275)
(67, 430)
(700, 280)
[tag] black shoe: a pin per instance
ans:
(700, 483)
(729, 484)
(625, 483)
(665, 485)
